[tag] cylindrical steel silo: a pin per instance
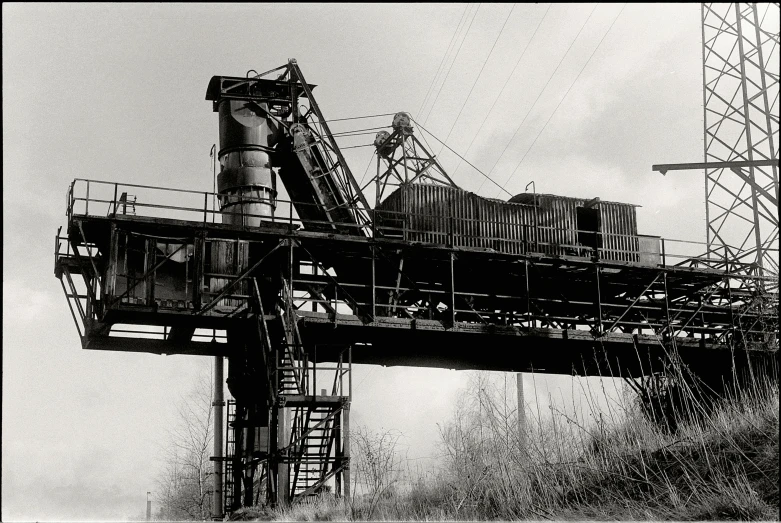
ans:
(246, 184)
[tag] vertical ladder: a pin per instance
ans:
(230, 451)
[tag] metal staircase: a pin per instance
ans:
(310, 451)
(315, 451)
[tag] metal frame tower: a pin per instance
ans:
(402, 159)
(740, 102)
(740, 98)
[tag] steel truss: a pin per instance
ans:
(402, 159)
(740, 98)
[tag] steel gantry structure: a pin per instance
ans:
(293, 292)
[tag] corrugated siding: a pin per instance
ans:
(437, 214)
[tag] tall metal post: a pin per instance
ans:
(338, 451)
(346, 445)
(219, 401)
(521, 413)
(148, 507)
(283, 468)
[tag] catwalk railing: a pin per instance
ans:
(610, 296)
(102, 198)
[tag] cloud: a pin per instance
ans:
(29, 305)
(49, 498)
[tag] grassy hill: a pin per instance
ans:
(721, 466)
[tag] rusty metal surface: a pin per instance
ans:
(538, 223)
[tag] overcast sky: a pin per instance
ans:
(116, 92)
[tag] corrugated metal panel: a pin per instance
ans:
(619, 232)
(441, 215)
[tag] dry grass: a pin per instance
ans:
(721, 466)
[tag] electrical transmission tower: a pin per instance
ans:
(740, 53)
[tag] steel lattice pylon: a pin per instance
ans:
(741, 103)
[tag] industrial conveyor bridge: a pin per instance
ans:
(405, 303)
(293, 292)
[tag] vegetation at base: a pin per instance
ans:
(720, 464)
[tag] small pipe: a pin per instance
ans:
(213, 156)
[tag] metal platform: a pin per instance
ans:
(407, 303)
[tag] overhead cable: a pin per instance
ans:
(538, 97)
(447, 51)
(359, 131)
(454, 152)
(452, 63)
(563, 97)
(475, 135)
(478, 75)
(358, 117)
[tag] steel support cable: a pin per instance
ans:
(452, 63)
(367, 167)
(340, 133)
(423, 136)
(357, 117)
(523, 53)
(565, 95)
(464, 159)
(544, 88)
(485, 62)
(447, 51)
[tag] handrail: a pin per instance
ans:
(451, 230)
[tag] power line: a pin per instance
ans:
(538, 96)
(565, 95)
(341, 133)
(447, 51)
(354, 135)
(478, 75)
(464, 159)
(358, 117)
(453, 62)
(474, 137)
